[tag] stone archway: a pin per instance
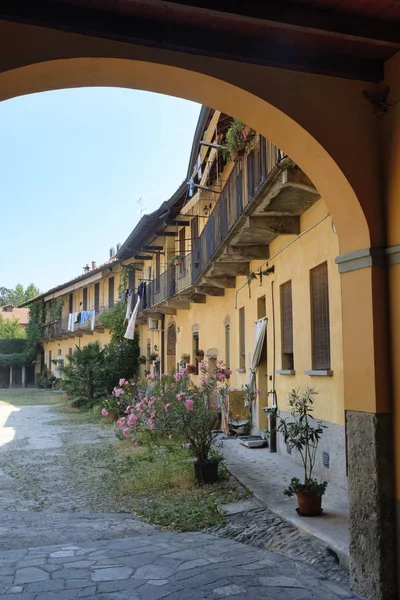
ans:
(328, 129)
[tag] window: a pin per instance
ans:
(70, 351)
(97, 297)
(71, 303)
(242, 342)
(158, 265)
(49, 360)
(194, 230)
(131, 279)
(195, 347)
(228, 345)
(287, 326)
(85, 297)
(321, 343)
(111, 292)
(182, 249)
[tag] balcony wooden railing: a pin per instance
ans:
(60, 327)
(242, 185)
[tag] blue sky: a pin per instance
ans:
(73, 163)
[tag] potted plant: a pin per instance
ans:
(153, 356)
(236, 140)
(185, 357)
(142, 360)
(175, 260)
(199, 354)
(304, 434)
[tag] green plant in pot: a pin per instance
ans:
(175, 260)
(185, 357)
(304, 433)
(142, 360)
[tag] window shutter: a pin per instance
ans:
(194, 229)
(111, 292)
(287, 318)
(131, 279)
(321, 348)
(97, 297)
(85, 298)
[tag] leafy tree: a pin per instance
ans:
(11, 328)
(18, 295)
(86, 375)
(122, 354)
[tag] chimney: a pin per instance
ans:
(86, 268)
(118, 247)
(94, 264)
(112, 252)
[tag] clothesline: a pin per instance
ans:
(81, 317)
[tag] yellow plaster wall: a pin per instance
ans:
(320, 244)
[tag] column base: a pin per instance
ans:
(371, 499)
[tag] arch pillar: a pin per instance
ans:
(369, 423)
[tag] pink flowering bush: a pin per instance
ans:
(175, 408)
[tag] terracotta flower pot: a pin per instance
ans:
(309, 503)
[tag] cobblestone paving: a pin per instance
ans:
(160, 565)
(263, 529)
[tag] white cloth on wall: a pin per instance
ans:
(129, 303)
(260, 328)
(130, 331)
(71, 321)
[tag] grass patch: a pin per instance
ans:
(30, 397)
(72, 415)
(160, 488)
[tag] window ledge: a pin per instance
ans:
(240, 370)
(286, 372)
(319, 373)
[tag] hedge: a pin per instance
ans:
(13, 360)
(12, 346)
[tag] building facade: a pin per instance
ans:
(247, 239)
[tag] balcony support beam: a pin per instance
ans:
(276, 225)
(197, 298)
(245, 253)
(179, 304)
(210, 290)
(222, 282)
(221, 268)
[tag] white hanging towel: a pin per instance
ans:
(260, 328)
(92, 319)
(129, 307)
(130, 331)
(198, 168)
(71, 321)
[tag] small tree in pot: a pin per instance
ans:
(304, 434)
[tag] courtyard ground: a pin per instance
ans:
(65, 534)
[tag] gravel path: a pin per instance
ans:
(53, 484)
(55, 489)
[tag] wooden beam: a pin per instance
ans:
(140, 257)
(166, 233)
(151, 248)
(180, 223)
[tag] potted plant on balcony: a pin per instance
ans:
(142, 360)
(304, 433)
(237, 140)
(153, 356)
(199, 354)
(185, 357)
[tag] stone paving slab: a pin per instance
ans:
(162, 565)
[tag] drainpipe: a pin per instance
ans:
(272, 411)
(162, 358)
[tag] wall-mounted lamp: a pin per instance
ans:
(269, 270)
(178, 329)
(207, 208)
(155, 348)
